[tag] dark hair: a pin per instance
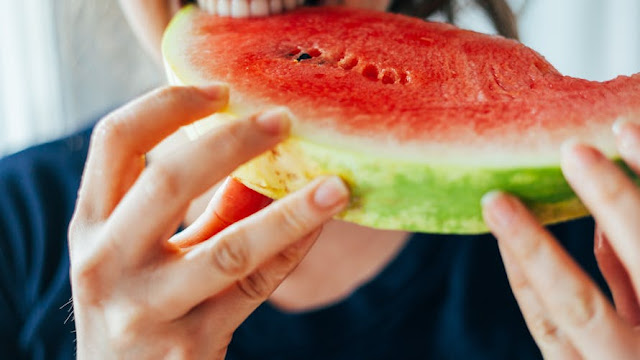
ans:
(498, 11)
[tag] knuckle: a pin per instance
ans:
(292, 254)
(124, 324)
(579, 310)
(530, 249)
(79, 228)
(232, 140)
(519, 284)
(162, 181)
(544, 329)
(231, 256)
(110, 131)
(76, 228)
(256, 286)
(176, 96)
(168, 93)
(90, 266)
(294, 221)
(615, 192)
(84, 283)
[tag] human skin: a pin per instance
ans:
(311, 285)
(169, 300)
(568, 316)
(183, 296)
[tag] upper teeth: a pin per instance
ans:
(247, 8)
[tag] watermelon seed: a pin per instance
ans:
(404, 78)
(303, 56)
(294, 52)
(315, 52)
(370, 72)
(389, 76)
(348, 63)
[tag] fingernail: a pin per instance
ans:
(216, 92)
(330, 192)
(597, 239)
(627, 136)
(274, 121)
(498, 209)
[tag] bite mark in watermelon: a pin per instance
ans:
(421, 119)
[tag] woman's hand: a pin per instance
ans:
(138, 291)
(566, 313)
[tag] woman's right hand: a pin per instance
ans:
(138, 295)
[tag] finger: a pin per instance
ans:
(166, 187)
(238, 250)
(552, 343)
(611, 197)
(570, 298)
(232, 202)
(628, 141)
(121, 139)
(235, 304)
(617, 279)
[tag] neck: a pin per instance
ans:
(344, 257)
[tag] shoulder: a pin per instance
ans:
(65, 154)
(38, 186)
(43, 172)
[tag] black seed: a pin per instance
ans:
(303, 56)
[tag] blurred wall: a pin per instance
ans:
(62, 63)
(592, 39)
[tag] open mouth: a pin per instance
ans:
(249, 8)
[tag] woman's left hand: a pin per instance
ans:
(567, 314)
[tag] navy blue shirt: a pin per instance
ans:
(442, 297)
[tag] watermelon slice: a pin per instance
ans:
(421, 119)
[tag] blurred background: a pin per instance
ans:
(62, 64)
(65, 63)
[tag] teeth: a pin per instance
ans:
(247, 8)
(275, 6)
(209, 5)
(290, 4)
(259, 8)
(223, 8)
(239, 9)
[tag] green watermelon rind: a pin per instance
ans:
(392, 194)
(389, 193)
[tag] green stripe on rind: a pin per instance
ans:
(393, 194)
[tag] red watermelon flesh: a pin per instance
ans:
(388, 77)
(396, 87)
